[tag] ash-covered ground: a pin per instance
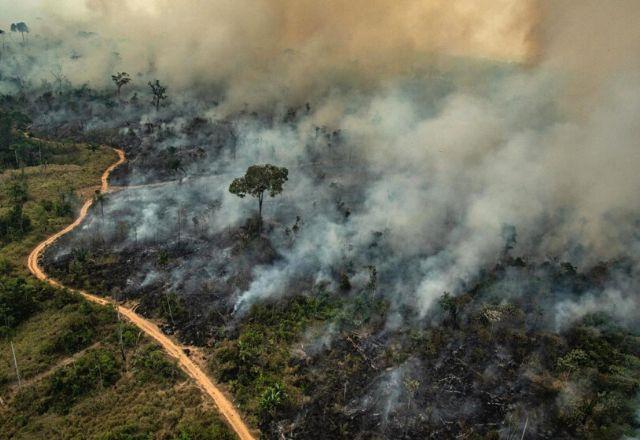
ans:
(454, 254)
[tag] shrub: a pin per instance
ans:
(152, 364)
(272, 399)
(198, 429)
(96, 369)
(17, 303)
(78, 334)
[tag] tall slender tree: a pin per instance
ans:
(21, 28)
(121, 79)
(15, 365)
(99, 198)
(159, 93)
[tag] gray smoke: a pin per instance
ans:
(416, 170)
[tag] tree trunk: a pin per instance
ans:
(260, 200)
(179, 226)
(15, 364)
(122, 352)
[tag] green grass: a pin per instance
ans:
(53, 334)
(126, 404)
(46, 183)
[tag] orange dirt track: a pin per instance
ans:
(224, 405)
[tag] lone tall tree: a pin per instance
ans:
(20, 27)
(99, 198)
(258, 180)
(159, 93)
(121, 79)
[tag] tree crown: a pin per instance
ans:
(157, 89)
(121, 78)
(259, 179)
(20, 27)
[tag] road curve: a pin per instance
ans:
(225, 407)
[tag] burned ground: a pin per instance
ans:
(487, 364)
(338, 352)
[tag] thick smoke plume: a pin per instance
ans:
(453, 122)
(285, 49)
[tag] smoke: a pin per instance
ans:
(432, 127)
(595, 42)
(283, 50)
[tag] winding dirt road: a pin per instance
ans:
(225, 407)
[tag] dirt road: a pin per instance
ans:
(225, 407)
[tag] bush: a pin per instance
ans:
(17, 303)
(199, 429)
(6, 267)
(96, 369)
(573, 361)
(78, 334)
(127, 432)
(272, 399)
(152, 364)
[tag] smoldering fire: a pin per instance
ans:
(423, 139)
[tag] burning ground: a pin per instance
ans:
(454, 253)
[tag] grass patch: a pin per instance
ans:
(99, 397)
(48, 187)
(38, 341)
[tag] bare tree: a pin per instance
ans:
(100, 198)
(159, 93)
(121, 79)
(15, 364)
(59, 78)
(121, 343)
